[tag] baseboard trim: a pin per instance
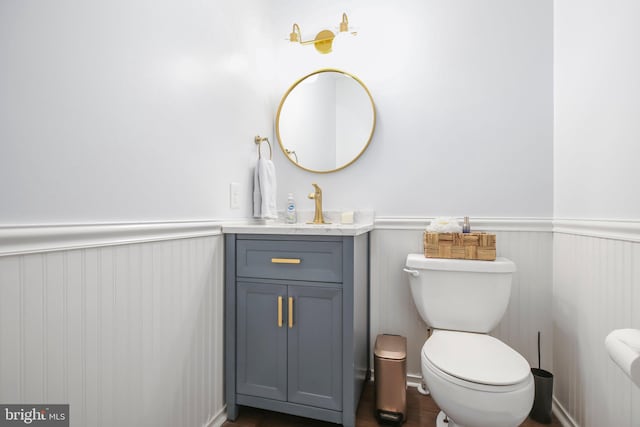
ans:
(562, 415)
(414, 380)
(218, 419)
(21, 240)
(626, 230)
(480, 224)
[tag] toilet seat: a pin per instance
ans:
(471, 385)
(478, 405)
(475, 360)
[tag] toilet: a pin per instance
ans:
(475, 379)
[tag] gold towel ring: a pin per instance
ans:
(259, 140)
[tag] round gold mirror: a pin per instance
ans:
(325, 121)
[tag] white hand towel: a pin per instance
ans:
(267, 178)
(257, 197)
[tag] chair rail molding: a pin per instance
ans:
(615, 229)
(482, 224)
(21, 240)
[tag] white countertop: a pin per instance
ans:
(363, 224)
(298, 228)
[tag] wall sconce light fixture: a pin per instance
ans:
(323, 42)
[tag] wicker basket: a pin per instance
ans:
(480, 246)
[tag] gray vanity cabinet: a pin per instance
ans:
(296, 332)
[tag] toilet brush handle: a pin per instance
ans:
(538, 349)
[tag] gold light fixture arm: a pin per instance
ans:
(344, 25)
(295, 35)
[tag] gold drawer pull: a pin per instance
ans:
(279, 312)
(290, 312)
(285, 260)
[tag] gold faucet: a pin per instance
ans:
(317, 196)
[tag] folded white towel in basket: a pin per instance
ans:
(444, 224)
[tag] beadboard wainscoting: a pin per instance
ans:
(596, 289)
(127, 334)
(527, 242)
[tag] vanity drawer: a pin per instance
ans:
(316, 261)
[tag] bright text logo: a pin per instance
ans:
(34, 415)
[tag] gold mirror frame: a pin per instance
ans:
(284, 98)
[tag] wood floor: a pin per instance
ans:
(422, 412)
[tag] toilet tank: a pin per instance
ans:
(460, 295)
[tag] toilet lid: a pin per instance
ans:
(478, 358)
(500, 265)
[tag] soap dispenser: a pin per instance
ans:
(291, 217)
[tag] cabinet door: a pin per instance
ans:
(315, 347)
(261, 368)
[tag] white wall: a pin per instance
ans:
(463, 91)
(597, 103)
(125, 112)
(130, 110)
(596, 276)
